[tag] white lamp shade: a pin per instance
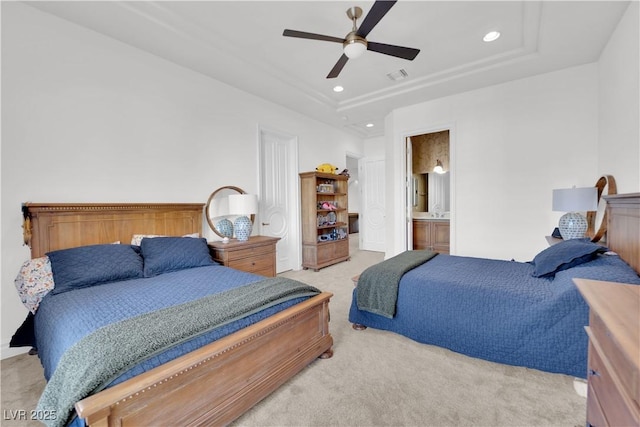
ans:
(575, 199)
(243, 204)
(220, 205)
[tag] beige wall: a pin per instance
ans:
(427, 149)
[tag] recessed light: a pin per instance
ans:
(491, 36)
(338, 89)
(369, 125)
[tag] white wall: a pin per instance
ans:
(86, 118)
(511, 144)
(374, 147)
(619, 100)
(517, 141)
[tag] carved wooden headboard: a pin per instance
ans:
(52, 226)
(623, 227)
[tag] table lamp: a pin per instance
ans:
(573, 225)
(243, 205)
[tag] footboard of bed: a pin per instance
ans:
(219, 382)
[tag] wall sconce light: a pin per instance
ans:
(438, 168)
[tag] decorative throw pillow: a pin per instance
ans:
(34, 281)
(165, 254)
(93, 265)
(564, 255)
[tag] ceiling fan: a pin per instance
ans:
(355, 43)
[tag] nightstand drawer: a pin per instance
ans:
(261, 262)
(250, 252)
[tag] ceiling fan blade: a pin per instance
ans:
(312, 36)
(392, 50)
(338, 67)
(377, 12)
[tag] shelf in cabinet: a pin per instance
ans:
(331, 210)
(336, 225)
(327, 242)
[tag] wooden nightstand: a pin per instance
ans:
(256, 255)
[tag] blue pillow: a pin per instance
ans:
(165, 254)
(564, 255)
(93, 265)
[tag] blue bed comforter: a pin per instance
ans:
(495, 310)
(63, 319)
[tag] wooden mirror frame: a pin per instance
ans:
(609, 182)
(208, 207)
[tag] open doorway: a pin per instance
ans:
(429, 191)
(354, 200)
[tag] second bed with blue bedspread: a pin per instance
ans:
(497, 310)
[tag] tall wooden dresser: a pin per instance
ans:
(613, 373)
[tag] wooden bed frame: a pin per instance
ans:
(212, 385)
(623, 227)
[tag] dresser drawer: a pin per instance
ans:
(595, 414)
(253, 264)
(624, 368)
(603, 385)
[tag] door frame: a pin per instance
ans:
(408, 227)
(293, 185)
(357, 158)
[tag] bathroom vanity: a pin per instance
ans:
(431, 233)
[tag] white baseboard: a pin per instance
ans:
(7, 352)
(580, 386)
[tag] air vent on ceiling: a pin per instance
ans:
(398, 75)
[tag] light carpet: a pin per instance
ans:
(376, 378)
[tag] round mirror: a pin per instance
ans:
(597, 220)
(217, 211)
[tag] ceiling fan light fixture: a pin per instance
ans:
(354, 48)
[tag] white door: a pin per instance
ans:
(372, 214)
(279, 200)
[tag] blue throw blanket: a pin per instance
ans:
(378, 285)
(94, 360)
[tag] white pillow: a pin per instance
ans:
(137, 238)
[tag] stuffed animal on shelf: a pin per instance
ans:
(327, 168)
(345, 172)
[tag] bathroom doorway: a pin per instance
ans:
(429, 191)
